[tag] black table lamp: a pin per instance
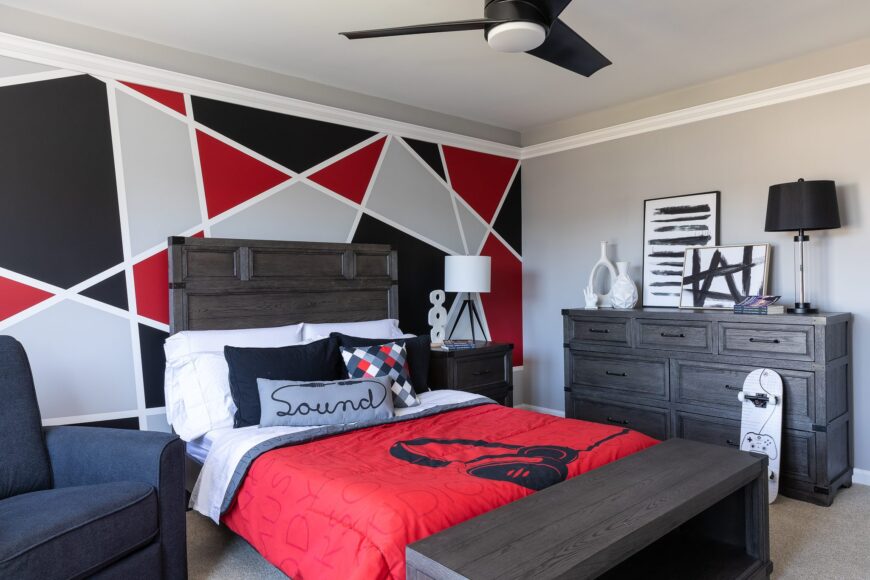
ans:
(802, 206)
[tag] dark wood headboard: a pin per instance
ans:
(225, 284)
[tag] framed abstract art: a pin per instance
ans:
(671, 224)
(719, 277)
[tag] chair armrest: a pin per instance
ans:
(92, 455)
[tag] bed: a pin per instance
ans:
(343, 501)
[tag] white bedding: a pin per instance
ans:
(225, 448)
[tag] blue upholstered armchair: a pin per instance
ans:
(82, 501)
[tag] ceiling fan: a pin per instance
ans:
(531, 26)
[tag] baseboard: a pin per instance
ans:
(861, 476)
(543, 410)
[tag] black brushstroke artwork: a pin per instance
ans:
(690, 218)
(671, 264)
(686, 228)
(685, 241)
(666, 255)
(681, 209)
(699, 280)
(668, 272)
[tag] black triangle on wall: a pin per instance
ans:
(429, 153)
(111, 291)
(421, 270)
(294, 142)
(153, 364)
(509, 223)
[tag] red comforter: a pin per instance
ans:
(346, 506)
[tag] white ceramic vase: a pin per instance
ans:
(623, 295)
(603, 300)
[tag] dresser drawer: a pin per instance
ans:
(648, 420)
(697, 382)
(766, 340)
(798, 447)
(612, 332)
(476, 372)
(675, 335)
(641, 375)
(715, 430)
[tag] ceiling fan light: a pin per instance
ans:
(518, 36)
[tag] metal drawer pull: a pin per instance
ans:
(617, 421)
(669, 335)
(765, 340)
(613, 374)
(479, 373)
(732, 443)
(599, 330)
(730, 388)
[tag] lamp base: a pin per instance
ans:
(802, 308)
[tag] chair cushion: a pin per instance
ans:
(74, 531)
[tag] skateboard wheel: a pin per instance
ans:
(741, 397)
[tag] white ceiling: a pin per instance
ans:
(655, 45)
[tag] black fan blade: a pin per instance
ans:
(457, 25)
(569, 50)
(551, 8)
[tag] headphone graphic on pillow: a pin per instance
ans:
(534, 467)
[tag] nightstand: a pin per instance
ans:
(486, 369)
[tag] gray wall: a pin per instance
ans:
(574, 199)
(72, 35)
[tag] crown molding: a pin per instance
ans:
(828, 83)
(99, 65)
(105, 66)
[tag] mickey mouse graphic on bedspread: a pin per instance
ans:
(532, 466)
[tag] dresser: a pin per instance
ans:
(486, 369)
(676, 373)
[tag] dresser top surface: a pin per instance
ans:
(719, 315)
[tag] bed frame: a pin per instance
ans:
(221, 284)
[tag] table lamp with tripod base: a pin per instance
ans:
(468, 275)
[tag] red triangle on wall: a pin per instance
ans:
(16, 297)
(350, 175)
(480, 178)
(230, 176)
(503, 306)
(151, 282)
(171, 99)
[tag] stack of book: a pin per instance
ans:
(759, 305)
(459, 344)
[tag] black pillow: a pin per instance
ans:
(317, 361)
(418, 349)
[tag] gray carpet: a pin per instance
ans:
(807, 542)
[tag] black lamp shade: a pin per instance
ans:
(802, 205)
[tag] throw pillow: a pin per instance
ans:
(386, 360)
(419, 349)
(316, 361)
(303, 404)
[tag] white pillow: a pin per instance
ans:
(197, 384)
(386, 328)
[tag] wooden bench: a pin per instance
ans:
(681, 509)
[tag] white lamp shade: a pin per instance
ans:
(466, 273)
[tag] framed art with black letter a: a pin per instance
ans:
(722, 276)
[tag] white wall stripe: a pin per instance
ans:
(36, 77)
(125, 243)
(372, 181)
(197, 167)
(121, 87)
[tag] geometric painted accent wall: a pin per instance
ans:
(95, 174)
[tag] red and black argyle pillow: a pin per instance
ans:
(385, 360)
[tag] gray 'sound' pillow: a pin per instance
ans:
(307, 403)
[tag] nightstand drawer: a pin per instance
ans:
(704, 383)
(764, 340)
(646, 376)
(679, 335)
(476, 372)
(650, 421)
(597, 331)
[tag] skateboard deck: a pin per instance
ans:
(761, 420)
